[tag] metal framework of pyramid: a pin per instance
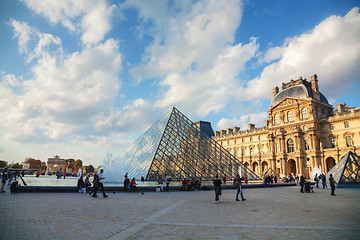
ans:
(346, 171)
(270, 172)
(177, 147)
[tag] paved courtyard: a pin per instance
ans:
(268, 213)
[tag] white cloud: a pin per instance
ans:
(132, 118)
(65, 96)
(92, 18)
(331, 50)
(45, 44)
(242, 122)
(193, 52)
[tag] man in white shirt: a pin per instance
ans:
(101, 185)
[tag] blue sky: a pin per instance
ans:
(81, 78)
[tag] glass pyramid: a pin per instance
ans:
(177, 147)
(346, 171)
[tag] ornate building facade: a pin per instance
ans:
(302, 133)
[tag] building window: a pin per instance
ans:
(346, 124)
(289, 116)
(348, 141)
(251, 152)
(316, 112)
(228, 142)
(250, 139)
(305, 128)
(235, 141)
(307, 144)
(276, 118)
(331, 126)
(304, 113)
(260, 149)
(333, 142)
(290, 145)
(242, 140)
(259, 137)
(277, 148)
(323, 112)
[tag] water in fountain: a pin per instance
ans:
(112, 171)
(316, 170)
(79, 173)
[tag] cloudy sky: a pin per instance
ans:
(83, 78)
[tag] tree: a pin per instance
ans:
(3, 163)
(16, 165)
(90, 169)
(34, 164)
(78, 165)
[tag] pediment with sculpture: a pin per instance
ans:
(287, 102)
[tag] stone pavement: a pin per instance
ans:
(268, 213)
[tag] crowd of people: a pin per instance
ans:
(10, 178)
(92, 189)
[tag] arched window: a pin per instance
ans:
(289, 116)
(251, 152)
(346, 124)
(304, 113)
(290, 145)
(276, 118)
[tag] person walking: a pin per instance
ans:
(101, 185)
(217, 188)
(95, 186)
(302, 183)
(316, 180)
(4, 179)
(332, 185)
(167, 180)
(237, 183)
(224, 178)
(323, 180)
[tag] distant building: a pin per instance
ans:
(302, 132)
(55, 164)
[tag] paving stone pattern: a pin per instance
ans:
(268, 213)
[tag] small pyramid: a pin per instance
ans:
(177, 147)
(346, 172)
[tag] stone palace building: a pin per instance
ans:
(302, 132)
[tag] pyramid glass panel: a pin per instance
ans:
(177, 147)
(346, 171)
(136, 159)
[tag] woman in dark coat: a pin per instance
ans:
(95, 186)
(217, 188)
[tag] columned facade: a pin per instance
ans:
(302, 133)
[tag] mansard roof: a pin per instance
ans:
(296, 89)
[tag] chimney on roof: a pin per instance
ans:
(314, 83)
(251, 126)
(236, 129)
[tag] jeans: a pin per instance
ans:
(217, 193)
(239, 190)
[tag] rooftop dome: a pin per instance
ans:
(297, 89)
